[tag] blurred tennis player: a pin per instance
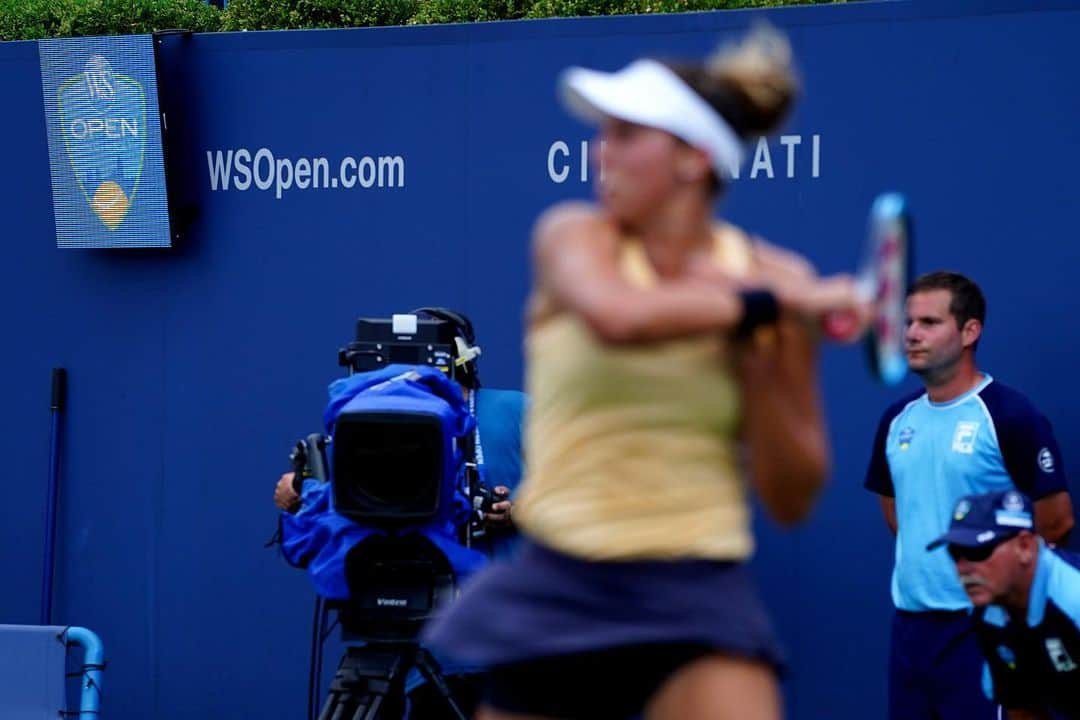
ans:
(658, 342)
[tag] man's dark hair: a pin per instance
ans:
(967, 301)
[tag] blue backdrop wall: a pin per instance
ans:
(192, 370)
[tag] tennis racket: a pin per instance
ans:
(882, 279)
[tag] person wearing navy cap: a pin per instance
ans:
(1027, 604)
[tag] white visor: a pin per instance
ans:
(648, 93)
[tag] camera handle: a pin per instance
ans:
(474, 528)
(482, 498)
(308, 459)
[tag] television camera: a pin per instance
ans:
(396, 460)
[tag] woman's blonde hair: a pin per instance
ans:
(752, 83)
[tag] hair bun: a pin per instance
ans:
(759, 70)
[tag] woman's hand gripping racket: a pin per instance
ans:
(882, 281)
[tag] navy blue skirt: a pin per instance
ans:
(544, 604)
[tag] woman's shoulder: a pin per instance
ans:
(567, 237)
(568, 210)
(571, 219)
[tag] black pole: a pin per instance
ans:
(56, 409)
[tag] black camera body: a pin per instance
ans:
(401, 339)
(389, 470)
(386, 465)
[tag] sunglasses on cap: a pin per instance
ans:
(979, 553)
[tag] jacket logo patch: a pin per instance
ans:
(1046, 460)
(963, 439)
(1058, 656)
(905, 437)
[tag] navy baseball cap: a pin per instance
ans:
(987, 519)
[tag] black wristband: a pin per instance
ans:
(759, 308)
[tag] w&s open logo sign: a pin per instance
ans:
(104, 135)
(103, 121)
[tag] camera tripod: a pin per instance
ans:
(371, 679)
(396, 584)
(370, 682)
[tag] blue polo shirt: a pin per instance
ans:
(1034, 662)
(928, 454)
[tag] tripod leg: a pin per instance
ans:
(334, 710)
(369, 709)
(328, 708)
(353, 706)
(431, 670)
(352, 693)
(368, 685)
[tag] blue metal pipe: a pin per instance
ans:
(93, 664)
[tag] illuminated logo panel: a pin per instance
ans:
(105, 147)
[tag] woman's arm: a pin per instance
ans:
(576, 251)
(576, 260)
(783, 419)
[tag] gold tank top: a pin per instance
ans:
(631, 449)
